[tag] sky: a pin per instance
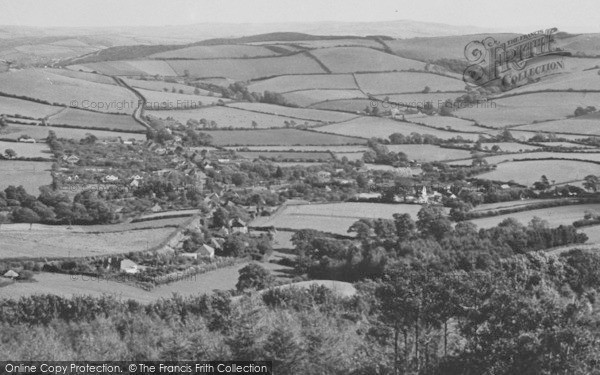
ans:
(507, 15)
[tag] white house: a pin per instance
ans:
(238, 226)
(129, 266)
(27, 140)
(10, 274)
(111, 177)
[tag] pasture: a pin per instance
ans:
(11, 106)
(305, 98)
(357, 59)
(528, 172)
(246, 69)
(331, 217)
(177, 101)
(299, 113)
(286, 155)
(419, 99)
(38, 133)
(27, 150)
(345, 105)
(226, 117)
(87, 119)
(215, 52)
(585, 156)
(400, 82)
(287, 83)
(54, 88)
(578, 81)
(449, 123)
(368, 127)
(584, 126)
(162, 85)
(332, 148)
(30, 174)
(280, 137)
(555, 216)
(429, 153)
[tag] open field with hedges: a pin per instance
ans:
(300, 113)
(177, 101)
(555, 216)
(429, 153)
(287, 83)
(12, 106)
(87, 119)
(30, 174)
(286, 137)
(399, 82)
(215, 52)
(41, 132)
(306, 98)
(27, 150)
(357, 59)
(585, 126)
(286, 155)
(528, 172)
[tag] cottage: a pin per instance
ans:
(129, 266)
(238, 226)
(71, 159)
(206, 251)
(10, 274)
(189, 255)
(26, 140)
(111, 178)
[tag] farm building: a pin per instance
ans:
(206, 251)
(238, 226)
(129, 266)
(10, 274)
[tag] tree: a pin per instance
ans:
(10, 153)
(405, 226)
(591, 183)
(238, 178)
(254, 276)
(433, 222)
(25, 215)
(196, 91)
(254, 125)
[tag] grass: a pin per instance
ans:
(419, 99)
(246, 69)
(506, 146)
(399, 82)
(54, 88)
(97, 78)
(525, 135)
(129, 68)
(446, 122)
(11, 106)
(226, 117)
(527, 108)
(528, 172)
(357, 59)
(176, 101)
(332, 148)
(368, 127)
(285, 155)
(83, 119)
(30, 174)
(300, 113)
(331, 217)
(215, 52)
(586, 80)
(307, 98)
(345, 105)
(574, 125)
(27, 150)
(564, 215)
(429, 153)
(591, 156)
(280, 137)
(336, 43)
(162, 85)
(289, 83)
(41, 132)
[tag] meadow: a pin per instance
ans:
(357, 59)
(288, 83)
(449, 123)
(430, 153)
(215, 52)
(285, 137)
(84, 119)
(332, 148)
(528, 172)
(38, 133)
(226, 117)
(306, 98)
(585, 126)
(401, 82)
(30, 174)
(177, 101)
(12, 106)
(591, 156)
(345, 105)
(300, 156)
(555, 216)
(577, 81)
(299, 113)
(27, 150)
(419, 99)
(162, 85)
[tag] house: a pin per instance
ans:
(217, 243)
(134, 183)
(129, 266)
(323, 176)
(26, 140)
(156, 208)
(71, 159)
(189, 255)
(111, 178)
(10, 274)
(223, 232)
(206, 251)
(238, 226)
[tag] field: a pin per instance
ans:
(307, 98)
(346, 105)
(226, 117)
(450, 123)
(506, 146)
(245, 69)
(357, 59)
(399, 82)
(429, 153)
(300, 156)
(584, 126)
(566, 145)
(332, 148)
(176, 101)
(525, 135)
(283, 84)
(54, 88)
(83, 76)
(30, 174)
(555, 216)
(299, 113)
(41, 132)
(331, 217)
(591, 156)
(162, 85)
(215, 52)
(328, 43)
(11, 106)
(129, 68)
(286, 137)
(27, 150)
(419, 99)
(527, 108)
(528, 172)
(83, 119)
(368, 127)
(578, 81)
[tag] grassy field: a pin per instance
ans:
(525, 135)
(368, 127)
(129, 68)
(450, 123)
(429, 153)
(346, 105)
(215, 52)
(176, 101)
(281, 137)
(162, 85)
(300, 113)
(245, 69)
(300, 156)
(351, 156)
(54, 88)
(555, 216)
(226, 117)
(331, 217)
(332, 148)
(307, 98)
(527, 108)
(10, 106)
(591, 156)
(41, 132)
(567, 145)
(27, 150)
(506, 146)
(586, 80)
(83, 76)
(284, 84)
(82, 119)
(30, 174)
(584, 126)
(528, 172)
(357, 59)
(419, 99)
(345, 42)
(399, 82)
